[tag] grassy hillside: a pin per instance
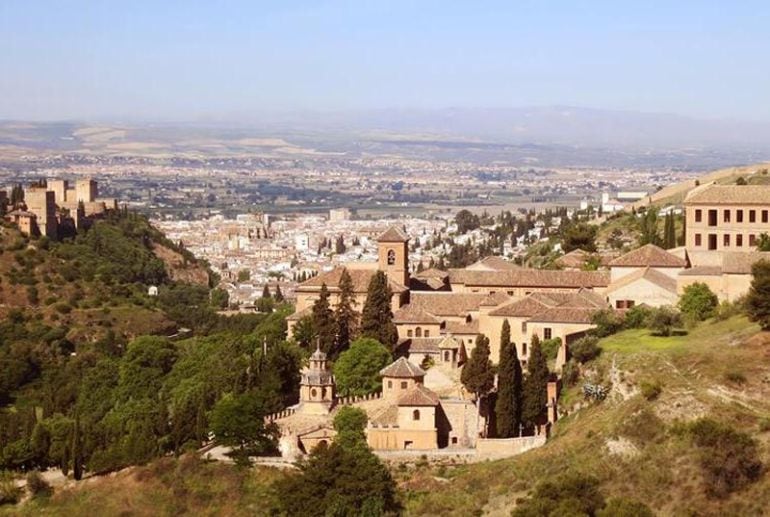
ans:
(633, 444)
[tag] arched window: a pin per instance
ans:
(391, 257)
(416, 414)
(447, 356)
(313, 393)
(418, 332)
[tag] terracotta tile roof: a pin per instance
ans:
(388, 416)
(449, 342)
(402, 368)
(567, 307)
(412, 314)
(495, 299)
(432, 273)
(493, 263)
(565, 315)
(447, 303)
(648, 255)
(577, 258)
(456, 327)
(702, 271)
(728, 262)
(428, 283)
(651, 275)
(419, 396)
(729, 195)
(523, 277)
(393, 234)
(360, 278)
(419, 345)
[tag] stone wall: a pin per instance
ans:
(490, 448)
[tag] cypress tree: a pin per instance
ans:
(535, 385)
(508, 404)
(266, 292)
(278, 297)
(377, 317)
(478, 375)
(323, 320)
(345, 316)
(77, 453)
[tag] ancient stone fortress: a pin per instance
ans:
(46, 209)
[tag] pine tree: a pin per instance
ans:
(508, 404)
(377, 316)
(345, 316)
(758, 299)
(266, 292)
(323, 320)
(278, 297)
(478, 375)
(535, 397)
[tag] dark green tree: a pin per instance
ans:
(579, 236)
(278, 296)
(535, 396)
(377, 316)
(237, 421)
(77, 450)
(758, 299)
(345, 316)
(323, 320)
(357, 370)
(478, 375)
(648, 228)
(266, 292)
(509, 394)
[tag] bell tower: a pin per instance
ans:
(316, 390)
(393, 252)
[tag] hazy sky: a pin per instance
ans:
(164, 59)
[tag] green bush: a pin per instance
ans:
(729, 458)
(585, 349)
(566, 494)
(650, 390)
(663, 320)
(636, 316)
(607, 322)
(9, 492)
(625, 507)
(36, 485)
(570, 373)
(698, 301)
(551, 347)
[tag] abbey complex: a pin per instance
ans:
(439, 315)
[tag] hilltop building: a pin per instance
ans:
(48, 208)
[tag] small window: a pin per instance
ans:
(698, 215)
(697, 239)
(752, 216)
(510, 293)
(523, 349)
(726, 240)
(418, 332)
(454, 440)
(427, 333)
(620, 304)
(313, 393)
(390, 385)
(712, 217)
(629, 304)
(739, 216)
(752, 240)
(712, 241)
(404, 384)
(447, 356)
(409, 333)
(739, 241)
(391, 257)
(547, 333)
(764, 216)
(523, 327)
(727, 216)
(416, 414)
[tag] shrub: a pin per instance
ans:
(607, 322)
(728, 457)
(698, 301)
(571, 373)
(726, 310)
(663, 320)
(9, 492)
(551, 347)
(567, 494)
(36, 485)
(735, 376)
(650, 390)
(636, 316)
(625, 507)
(63, 308)
(585, 349)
